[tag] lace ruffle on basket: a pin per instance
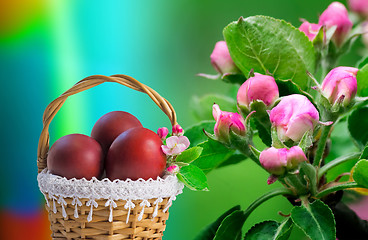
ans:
(57, 188)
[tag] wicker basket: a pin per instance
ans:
(73, 221)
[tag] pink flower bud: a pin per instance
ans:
(336, 15)
(294, 116)
(226, 121)
(310, 29)
(221, 60)
(295, 155)
(162, 132)
(177, 130)
(274, 160)
(340, 85)
(277, 161)
(173, 169)
(260, 87)
(359, 6)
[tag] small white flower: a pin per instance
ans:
(175, 145)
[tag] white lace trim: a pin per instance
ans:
(57, 188)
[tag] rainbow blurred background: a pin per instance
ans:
(48, 45)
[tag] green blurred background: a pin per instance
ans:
(47, 46)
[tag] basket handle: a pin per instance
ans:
(87, 83)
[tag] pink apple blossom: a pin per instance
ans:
(278, 161)
(340, 85)
(359, 6)
(336, 15)
(175, 145)
(294, 116)
(295, 155)
(162, 132)
(274, 160)
(173, 169)
(310, 29)
(221, 59)
(177, 130)
(226, 121)
(260, 87)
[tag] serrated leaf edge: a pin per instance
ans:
(319, 227)
(311, 47)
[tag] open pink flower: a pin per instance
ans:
(175, 145)
(336, 15)
(310, 29)
(294, 116)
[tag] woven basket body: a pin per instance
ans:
(70, 220)
(100, 227)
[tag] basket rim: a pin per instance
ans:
(140, 189)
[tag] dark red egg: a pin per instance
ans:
(134, 154)
(111, 125)
(76, 156)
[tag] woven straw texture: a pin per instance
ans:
(100, 228)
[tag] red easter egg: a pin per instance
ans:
(134, 154)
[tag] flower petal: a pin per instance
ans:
(184, 140)
(166, 150)
(172, 141)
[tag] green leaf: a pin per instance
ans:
(362, 62)
(288, 87)
(286, 53)
(234, 78)
(360, 174)
(276, 142)
(306, 141)
(189, 155)
(231, 226)
(310, 172)
(234, 159)
(270, 230)
(262, 121)
(195, 132)
(255, 151)
(362, 81)
(202, 106)
(364, 154)
(208, 233)
(263, 133)
(358, 125)
(193, 178)
(316, 220)
(318, 41)
(213, 154)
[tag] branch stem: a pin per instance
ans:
(265, 197)
(337, 188)
(336, 162)
(322, 145)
